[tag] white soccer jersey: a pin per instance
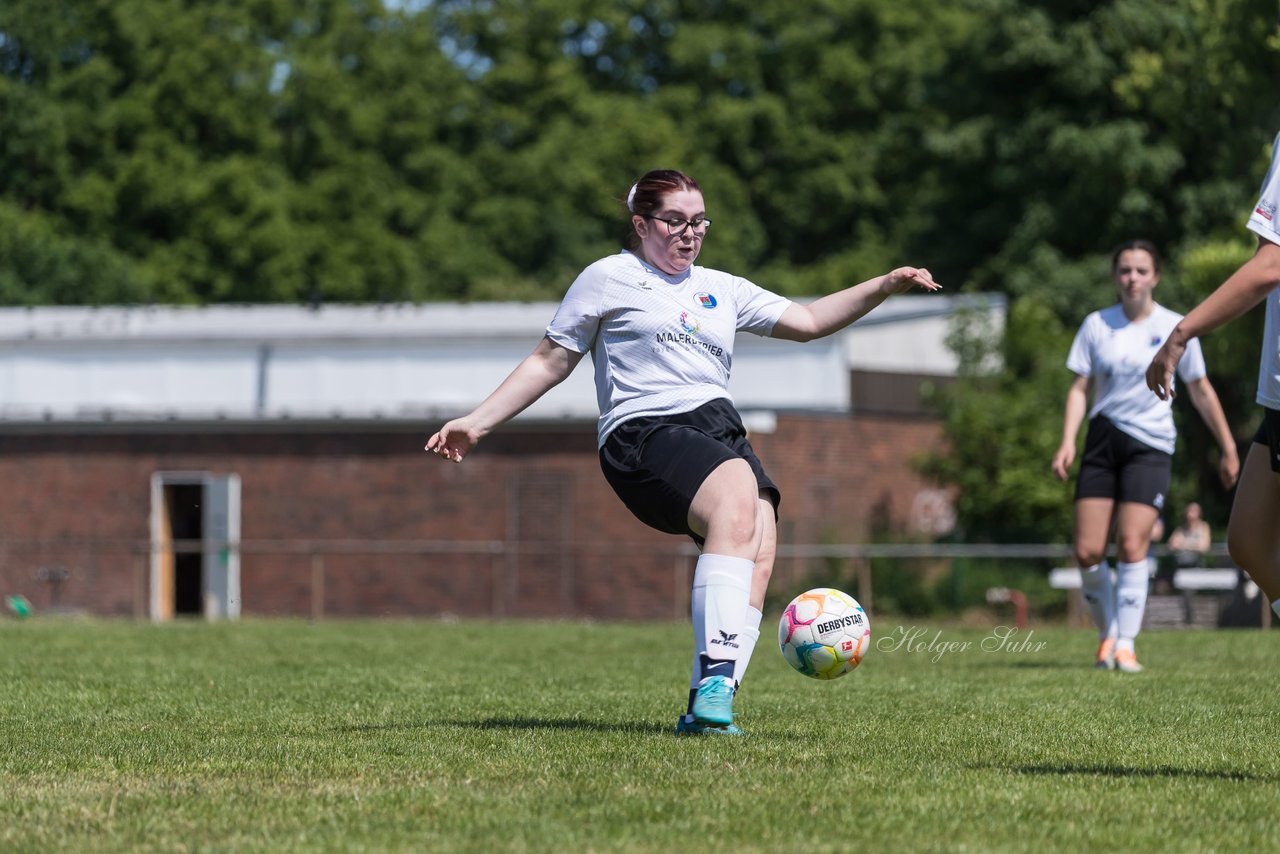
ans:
(1115, 352)
(661, 344)
(1263, 223)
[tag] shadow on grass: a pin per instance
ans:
(1031, 664)
(1129, 771)
(521, 723)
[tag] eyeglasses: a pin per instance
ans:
(677, 225)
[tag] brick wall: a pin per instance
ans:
(83, 502)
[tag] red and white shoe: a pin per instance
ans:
(1107, 655)
(1127, 662)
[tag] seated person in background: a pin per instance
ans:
(1189, 542)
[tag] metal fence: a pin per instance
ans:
(951, 576)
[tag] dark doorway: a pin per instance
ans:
(186, 520)
(195, 545)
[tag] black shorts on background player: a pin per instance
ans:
(1117, 466)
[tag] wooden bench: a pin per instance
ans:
(1196, 578)
(1068, 578)
(1199, 578)
(1064, 578)
(1187, 582)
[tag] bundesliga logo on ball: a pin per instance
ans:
(824, 633)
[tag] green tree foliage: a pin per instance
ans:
(1072, 126)
(1003, 427)
(1126, 119)
(350, 150)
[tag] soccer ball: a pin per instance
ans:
(824, 633)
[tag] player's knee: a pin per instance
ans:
(726, 502)
(736, 521)
(1087, 557)
(1130, 549)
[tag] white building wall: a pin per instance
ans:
(397, 362)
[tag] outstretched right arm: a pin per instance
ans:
(543, 369)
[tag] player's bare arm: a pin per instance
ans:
(1205, 399)
(1077, 404)
(1245, 288)
(836, 311)
(543, 369)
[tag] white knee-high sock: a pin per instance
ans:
(1099, 595)
(721, 589)
(1131, 601)
(750, 634)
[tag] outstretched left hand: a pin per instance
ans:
(904, 278)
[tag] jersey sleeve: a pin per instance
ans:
(1191, 366)
(1262, 221)
(758, 309)
(1080, 356)
(577, 320)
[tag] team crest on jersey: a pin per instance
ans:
(705, 300)
(1155, 340)
(1266, 210)
(689, 324)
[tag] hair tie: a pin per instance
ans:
(631, 197)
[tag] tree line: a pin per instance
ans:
(165, 151)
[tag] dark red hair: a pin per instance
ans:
(646, 195)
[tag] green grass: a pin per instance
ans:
(531, 736)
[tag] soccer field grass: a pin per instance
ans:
(540, 736)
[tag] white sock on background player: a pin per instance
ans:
(1131, 600)
(1099, 595)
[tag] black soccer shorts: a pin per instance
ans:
(1117, 466)
(656, 464)
(1269, 434)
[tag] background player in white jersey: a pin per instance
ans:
(660, 331)
(1253, 534)
(1128, 454)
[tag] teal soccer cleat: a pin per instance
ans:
(713, 702)
(688, 726)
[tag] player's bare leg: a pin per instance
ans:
(1133, 578)
(765, 557)
(726, 514)
(1253, 537)
(1092, 531)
